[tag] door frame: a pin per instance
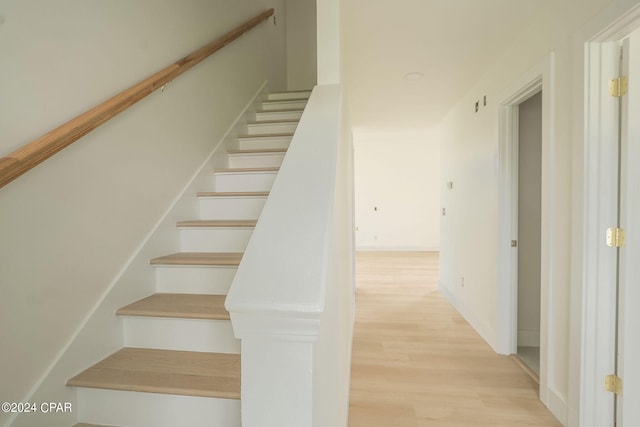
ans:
(600, 54)
(539, 78)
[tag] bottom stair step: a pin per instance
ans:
(125, 409)
(165, 371)
(186, 306)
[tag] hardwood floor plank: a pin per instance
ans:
(417, 363)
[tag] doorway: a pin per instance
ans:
(539, 80)
(529, 200)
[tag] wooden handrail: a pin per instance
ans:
(39, 150)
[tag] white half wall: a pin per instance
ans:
(292, 299)
(397, 191)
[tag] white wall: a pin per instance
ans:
(301, 44)
(397, 190)
(71, 225)
(328, 22)
(470, 160)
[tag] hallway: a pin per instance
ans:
(417, 363)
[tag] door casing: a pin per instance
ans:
(539, 78)
(597, 315)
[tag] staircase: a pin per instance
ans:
(180, 365)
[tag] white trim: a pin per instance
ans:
(481, 327)
(596, 49)
(558, 407)
(539, 78)
(597, 339)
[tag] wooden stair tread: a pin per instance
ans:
(233, 194)
(165, 371)
(282, 110)
(185, 306)
(258, 151)
(200, 259)
(217, 223)
(280, 92)
(285, 100)
(246, 170)
(262, 122)
(266, 135)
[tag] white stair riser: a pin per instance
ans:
(231, 207)
(264, 128)
(122, 408)
(263, 142)
(256, 160)
(227, 239)
(278, 115)
(238, 182)
(283, 105)
(194, 280)
(289, 95)
(215, 336)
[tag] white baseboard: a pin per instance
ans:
(484, 330)
(558, 407)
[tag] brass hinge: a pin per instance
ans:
(619, 87)
(514, 243)
(613, 384)
(615, 237)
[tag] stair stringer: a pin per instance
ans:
(101, 332)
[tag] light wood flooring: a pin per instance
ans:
(417, 363)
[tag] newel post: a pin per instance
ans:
(277, 367)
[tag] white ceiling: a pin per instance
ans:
(449, 41)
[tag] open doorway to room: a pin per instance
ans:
(529, 148)
(526, 242)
